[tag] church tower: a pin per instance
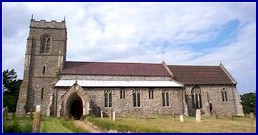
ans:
(44, 59)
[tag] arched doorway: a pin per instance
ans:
(75, 107)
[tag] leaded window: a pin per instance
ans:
(165, 98)
(224, 95)
(136, 98)
(196, 97)
(108, 98)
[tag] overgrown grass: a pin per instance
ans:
(171, 124)
(23, 124)
(17, 125)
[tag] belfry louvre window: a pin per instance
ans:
(45, 44)
(122, 94)
(224, 95)
(136, 99)
(165, 98)
(108, 98)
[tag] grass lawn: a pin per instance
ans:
(169, 124)
(52, 125)
(48, 125)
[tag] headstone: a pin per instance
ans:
(4, 114)
(38, 108)
(252, 118)
(101, 114)
(198, 115)
(181, 118)
(36, 120)
(114, 116)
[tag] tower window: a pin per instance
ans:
(45, 44)
(44, 69)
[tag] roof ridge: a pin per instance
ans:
(113, 62)
(196, 65)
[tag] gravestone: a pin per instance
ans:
(101, 114)
(114, 116)
(4, 114)
(36, 120)
(198, 115)
(181, 118)
(252, 118)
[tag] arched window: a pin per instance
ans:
(108, 98)
(196, 97)
(165, 98)
(45, 44)
(224, 95)
(136, 98)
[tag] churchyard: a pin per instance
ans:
(169, 123)
(164, 123)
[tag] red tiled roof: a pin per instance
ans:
(114, 69)
(200, 74)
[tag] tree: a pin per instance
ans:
(11, 88)
(249, 102)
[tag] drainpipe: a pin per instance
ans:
(55, 94)
(233, 93)
(183, 107)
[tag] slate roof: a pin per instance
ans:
(182, 73)
(200, 74)
(114, 69)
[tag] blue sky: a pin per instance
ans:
(177, 33)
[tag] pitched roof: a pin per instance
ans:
(200, 74)
(114, 69)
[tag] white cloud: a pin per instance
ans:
(140, 32)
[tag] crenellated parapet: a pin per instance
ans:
(53, 24)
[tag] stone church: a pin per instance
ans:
(73, 89)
